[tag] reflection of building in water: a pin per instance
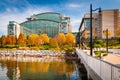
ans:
(32, 59)
(13, 71)
(17, 73)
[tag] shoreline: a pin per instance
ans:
(32, 53)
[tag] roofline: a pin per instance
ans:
(40, 19)
(82, 23)
(109, 9)
(46, 13)
(14, 21)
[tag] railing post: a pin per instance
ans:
(111, 72)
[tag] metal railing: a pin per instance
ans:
(105, 70)
(114, 51)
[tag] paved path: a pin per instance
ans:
(112, 58)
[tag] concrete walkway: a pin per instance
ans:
(112, 58)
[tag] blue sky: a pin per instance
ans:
(19, 10)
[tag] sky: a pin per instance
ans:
(19, 10)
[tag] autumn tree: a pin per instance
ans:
(45, 38)
(3, 41)
(8, 40)
(70, 38)
(118, 32)
(34, 40)
(105, 33)
(53, 42)
(14, 40)
(21, 39)
(61, 39)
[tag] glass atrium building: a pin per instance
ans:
(49, 23)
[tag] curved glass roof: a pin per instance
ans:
(49, 16)
(42, 26)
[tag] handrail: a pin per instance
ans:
(100, 67)
(104, 61)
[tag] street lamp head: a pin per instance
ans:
(100, 10)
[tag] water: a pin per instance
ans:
(29, 68)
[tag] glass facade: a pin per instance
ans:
(48, 16)
(40, 26)
(49, 23)
(13, 28)
(87, 24)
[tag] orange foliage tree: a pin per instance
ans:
(8, 39)
(45, 38)
(70, 38)
(53, 42)
(21, 39)
(34, 40)
(3, 41)
(61, 39)
(14, 40)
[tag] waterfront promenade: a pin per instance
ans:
(111, 57)
(98, 68)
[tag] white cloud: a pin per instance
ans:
(74, 5)
(13, 14)
(71, 5)
(75, 23)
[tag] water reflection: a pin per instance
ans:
(29, 68)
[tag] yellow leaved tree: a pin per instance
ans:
(53, 42)
(45, 38)
(105, 33)
(61, 39)
(34, 40)
(70, 39)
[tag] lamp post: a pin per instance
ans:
(91, 10)
(107, 40)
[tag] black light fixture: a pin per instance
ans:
(91, 10)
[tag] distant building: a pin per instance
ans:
(14, 28)
(107, 19)
(49, 23)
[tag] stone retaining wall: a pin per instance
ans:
(31, 53)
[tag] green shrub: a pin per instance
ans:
(34, 48)
(100, 54)
(11, 46)
(97, 46)
(99, 43)
(105, 54)
(45, 47)
(103, 51)
(97, 52)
